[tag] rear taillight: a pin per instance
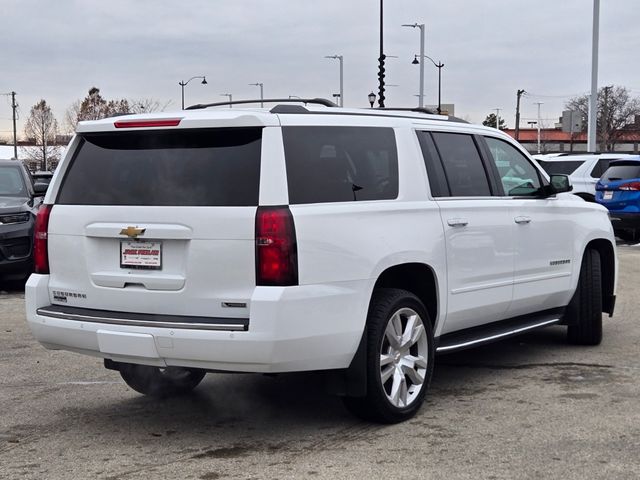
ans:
(630, 186)
(276, 247)
(40, 235)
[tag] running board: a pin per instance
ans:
(477, 336)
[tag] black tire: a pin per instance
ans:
(377, 405)
(584, 313)
(157, 382)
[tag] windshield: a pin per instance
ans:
(559, 168)
(12, 182)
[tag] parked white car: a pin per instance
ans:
(584, 170)
(356, 243)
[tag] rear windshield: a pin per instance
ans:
(203, 167)
(621, 172)
(560, 168)
(340, 164)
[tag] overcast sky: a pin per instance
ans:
(143, 48)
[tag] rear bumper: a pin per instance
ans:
(300, 328)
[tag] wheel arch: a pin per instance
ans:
(608, 266)
(417, 278)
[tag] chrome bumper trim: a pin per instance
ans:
(192, 325)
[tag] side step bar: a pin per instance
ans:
(474, 337)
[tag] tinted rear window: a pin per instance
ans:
(204, 167)
(559, 168)
(463, 166)
(621, 172)
(340, 164)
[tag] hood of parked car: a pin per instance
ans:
(14, 204)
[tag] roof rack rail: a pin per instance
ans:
(410, 109)
(427, 111)
(317, 101)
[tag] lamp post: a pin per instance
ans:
(497, 118)
(439, 66)
(372, 98)
(261, 92)
(341, 59)
(593, 99)
(421, 27)
(230, 96)
(184, 84)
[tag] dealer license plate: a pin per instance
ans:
(140, 254)
(608, 195)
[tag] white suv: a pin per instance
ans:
(355, 243)
(584, 170)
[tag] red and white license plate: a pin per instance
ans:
(140, 254)
(608, 195)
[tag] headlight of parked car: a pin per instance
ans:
(14, 218)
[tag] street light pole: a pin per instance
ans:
(422, 55)
(381, 59)
(184, 84)
(339, 57)
(261, 92)
(439, 66)
(593, 100)
(497, 118)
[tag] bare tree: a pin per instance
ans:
(42, 127)
(616, 111)
(94, 107)
(147, 105)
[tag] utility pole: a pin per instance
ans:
(497, 118)
(539, 104)
(14, 107)
(593, 100)
(605, 120)
(519, 94)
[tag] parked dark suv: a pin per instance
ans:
(19, 201)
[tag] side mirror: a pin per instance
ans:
(561, 183)
(40, 188)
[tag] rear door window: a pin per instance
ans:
(340, 164)
(196, 167)
(464, 170)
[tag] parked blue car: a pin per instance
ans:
(619, 190)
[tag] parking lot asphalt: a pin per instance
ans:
(529, 407)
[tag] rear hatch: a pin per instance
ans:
(158, 221)
(619, 187)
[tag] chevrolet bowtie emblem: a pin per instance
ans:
(132, 232)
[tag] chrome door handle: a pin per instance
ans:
(522, 220)
(457, 222)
